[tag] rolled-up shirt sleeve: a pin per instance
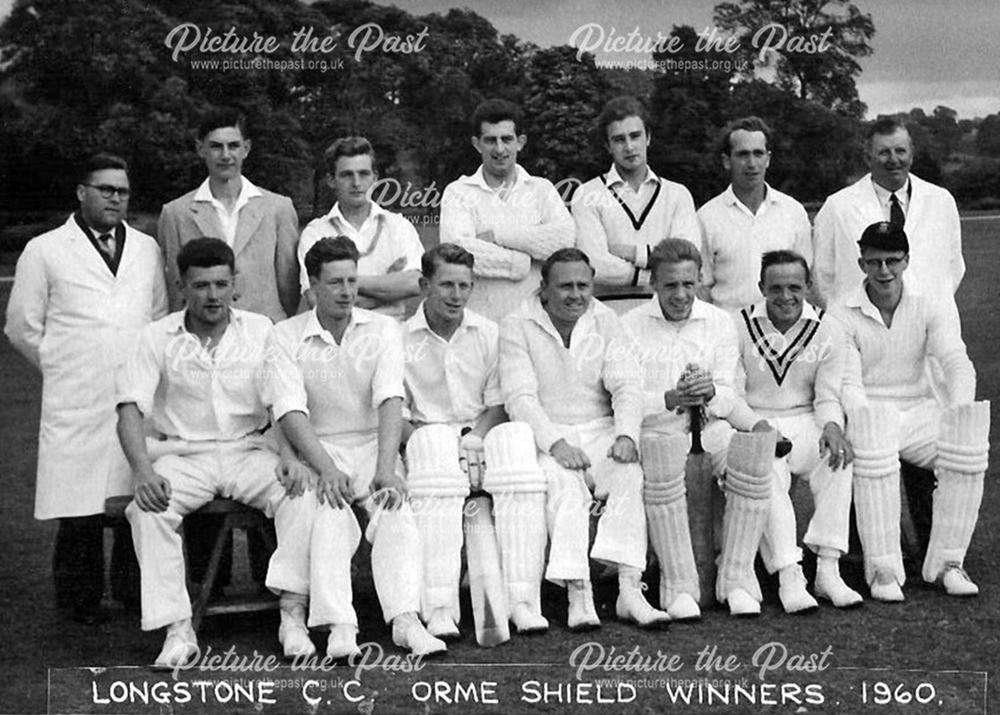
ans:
(284, 389)
(390, 367)
(141, 372)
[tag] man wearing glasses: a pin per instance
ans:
(81, 294)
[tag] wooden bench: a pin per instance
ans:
(234, 516)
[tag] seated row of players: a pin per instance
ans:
(588, 390)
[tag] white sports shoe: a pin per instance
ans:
(684, 608)
(831, 586)
(632, 606)
(526, 620)
(342, 641)
(957, 583)
(582, 616)
(792, 591)
(409, 633)
(884, 588)
(742, 604)
(292, 631)
(440, 625)
(179, 647)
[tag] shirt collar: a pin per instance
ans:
(858, 298)
(418, 321)
(699, 311)
(174, 322)
(377, 212)
(614, 178)
(313, 328)
(478, 178)
(903, 194)
(809, 312)
(730, 198)
(535, 312)
(247, 191)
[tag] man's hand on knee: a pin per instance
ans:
(334, 488)
(391, 491)
(834, 442)
(568, 456)
(295, 476)
(152, 493)
(624, 450)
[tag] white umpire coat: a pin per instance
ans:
(932, 226)
(75, 321)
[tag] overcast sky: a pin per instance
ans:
(927, 52)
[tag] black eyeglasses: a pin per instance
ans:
(106, 191)
(876, 263)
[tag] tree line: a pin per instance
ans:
(78, 77)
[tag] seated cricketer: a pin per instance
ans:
(892, 331)
(339, 392)
(792, 361)
(566, 370)
(453, 396)
(688, 354)
(199, 375)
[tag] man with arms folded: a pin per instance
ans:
(338, 373)
(892, 330)
(260, 226)
(748, 219)
(621, 215)
(199, 374)
(688, 353)
(81, 294)
(453, 387)
(793, 361)
(566, 369)
(389, 247)
(509, 220)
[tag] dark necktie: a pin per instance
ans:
(896, 216)
(104, 241)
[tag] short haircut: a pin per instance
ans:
(618, 109)
(328, 250)
(672, 250)
(346, 146)
(494, 111)
(444, 253)
(884, 126)
(749, 124)
(205, 253)
(782, 257)
(100, 162)
(565, 255)
(221, 119)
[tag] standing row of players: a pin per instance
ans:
(83, 275)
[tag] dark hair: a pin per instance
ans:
(494, 111)
(444, 253)
(346, 146)
(782, 257)
(205, 253)
(618, 109)
(565, 255)
(220, 119)
(327, 250)
(672, 250)
(99, 162)
(748, 124)
(884, 126)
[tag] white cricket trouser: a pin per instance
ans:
(243, 471)
(621, 530)
(831, 492)
(396, 554)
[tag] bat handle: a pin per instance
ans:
(696, 417)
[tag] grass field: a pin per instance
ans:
(950, 645)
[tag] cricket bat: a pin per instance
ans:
(699, 483)
(486, 583)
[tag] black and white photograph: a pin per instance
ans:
(499, 356)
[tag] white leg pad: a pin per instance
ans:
(874, 432)
(664, 494)
(963, 455)
(438, 488)
(748, 493)
(518, 486)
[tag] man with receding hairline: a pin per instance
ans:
(747, 219)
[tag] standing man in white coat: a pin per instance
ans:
(81, 293)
